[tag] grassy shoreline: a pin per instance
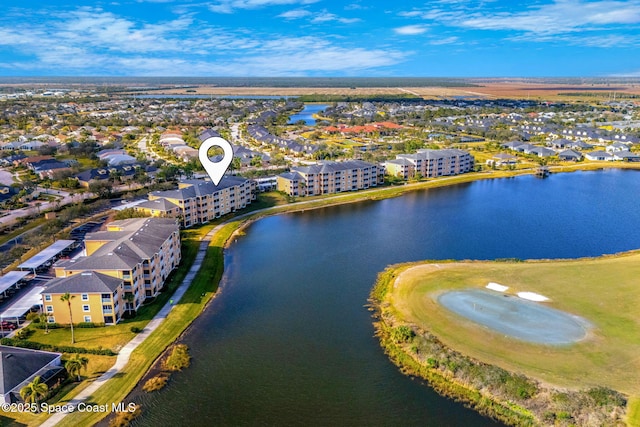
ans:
(517, 382)
(203, 288)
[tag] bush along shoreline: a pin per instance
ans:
(508, 397)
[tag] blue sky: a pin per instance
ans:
(443, 38)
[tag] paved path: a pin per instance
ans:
(125, 352)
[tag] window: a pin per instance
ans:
(85, 297)
(86, 308)
(51, 319)
(47, 297)
(87, 319)
(49, 309)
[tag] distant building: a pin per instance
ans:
(431, 163)
(198, 201)
(330, 177)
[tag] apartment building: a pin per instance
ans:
(95, 298)
(141, 252)
(431, 163)
(330, 177)
(199, 201)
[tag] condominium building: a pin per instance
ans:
(141, 252)
(94, 298)
(199, 201)
(430, 163)
(330, 177)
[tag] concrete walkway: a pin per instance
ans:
(125, 352)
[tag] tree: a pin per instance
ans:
(130, 299)
(44, 319)
(101, 188)
(76, 364)
(67, 298)
(34, 391)
(236, 164)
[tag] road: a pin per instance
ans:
(62, 198)
(143, 148)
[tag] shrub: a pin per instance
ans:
(603, 396)
(124, 419)
(402, 334)
(155, 383)
(178, 359)
(56, 348)
(89, 325)
(135, 329)
(24, 333)
(44, 325)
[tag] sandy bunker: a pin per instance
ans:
(515, 317)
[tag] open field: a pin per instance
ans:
(604, 291)
(506, 89)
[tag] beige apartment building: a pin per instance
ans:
(199, 201)
(95, 298)
(140, 252)
(430, 163)
(330, 177)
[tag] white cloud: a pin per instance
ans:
(328, 17)
(410, 30)
(294, 14)
(316, 17)
(94, 42)
(228, 6)
(446, 40)
(561, 16)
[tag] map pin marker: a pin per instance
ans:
(215, 170)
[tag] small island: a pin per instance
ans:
(525, 342)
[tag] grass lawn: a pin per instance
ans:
(604, 291)
(633, 416)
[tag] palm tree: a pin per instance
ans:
(76, 364)
(44, 319)
(67, 298)
(130, 299)
(34, 391)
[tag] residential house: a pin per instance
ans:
(570, 155)
(19, 367)
(6, 192)
(125, 173)
(626, 156)
(616, 146)
(502, 159)
(599, 155)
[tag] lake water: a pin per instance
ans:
(289, 341)
(307, 114)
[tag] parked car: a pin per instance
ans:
(8, 325)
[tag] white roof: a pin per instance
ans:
(532, 296)
(46, 254)
(11, 278)
(24, 304)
